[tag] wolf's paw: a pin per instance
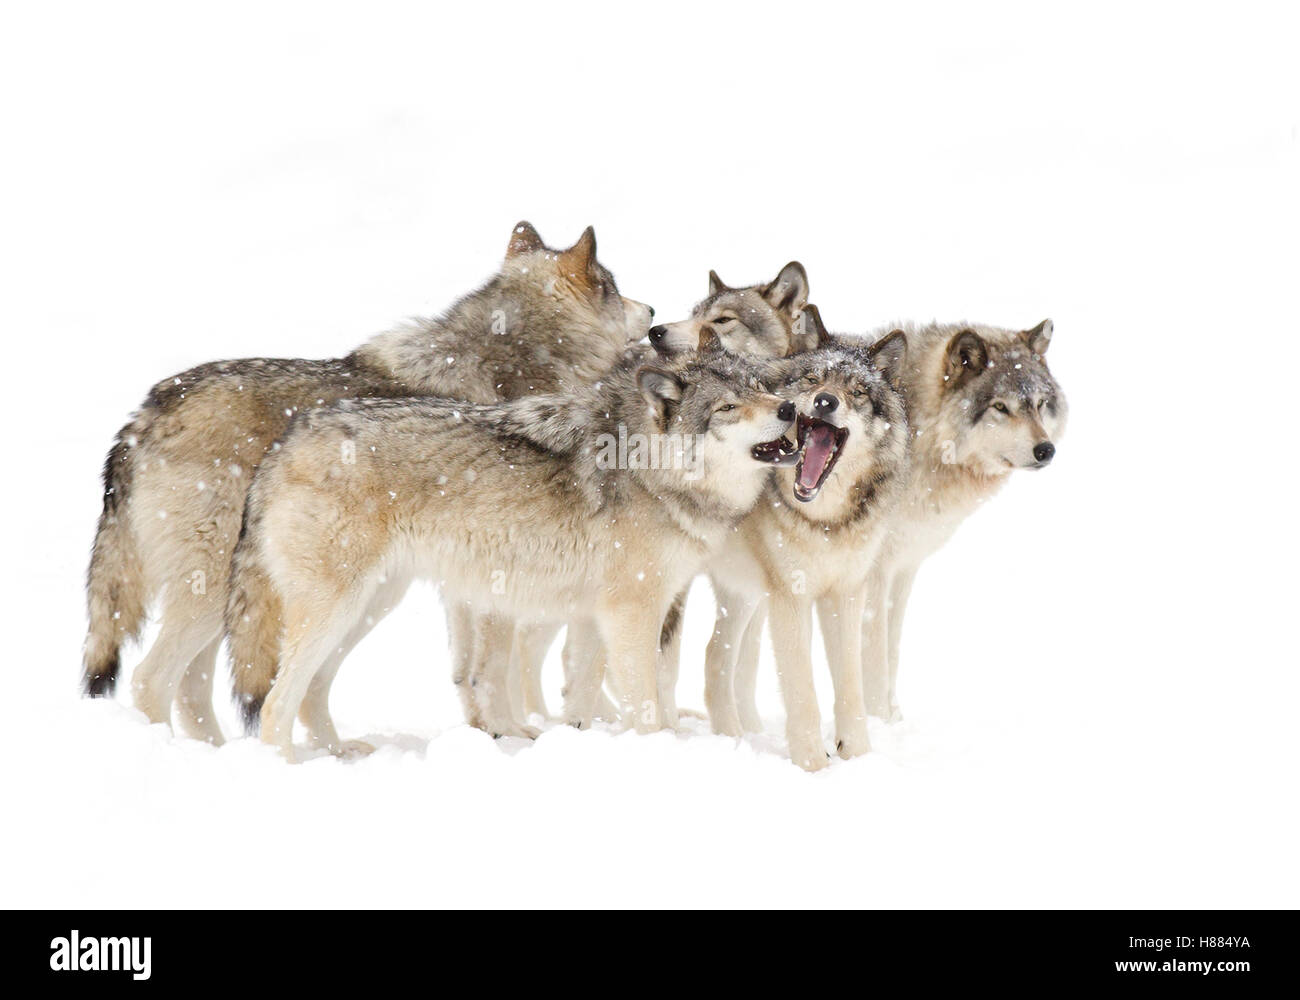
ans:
(352, 749)
(811, 757)
(886, 710)
(852, 741)
(515, 730)
(726, 724)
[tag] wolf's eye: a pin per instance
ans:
(1001, 407)
(1041, 404)
(811, 381)
(859, 393)
(725, 407)
(723, 319)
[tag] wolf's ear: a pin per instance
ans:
(524, 239)
(887, 356)
(579, 257)
(1039, 338)
(788, 291)
(814, 332)
(661, 389)
(716, 284)
(966, 353)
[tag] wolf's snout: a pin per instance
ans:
(1043, 452)
(657, 333)
(786, 411)
(824, 403)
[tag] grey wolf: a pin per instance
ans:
(176, 477)
(983, 404)
(756, 321)
(812, 540)
(507, 507)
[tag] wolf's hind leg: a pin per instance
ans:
(310, 634)
(188, 626)
(194, 700)
(315, 711)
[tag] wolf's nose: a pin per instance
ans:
(657, 333)
(1043, 451)
(786, 412)
(825, 403)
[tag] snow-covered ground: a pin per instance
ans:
(1100, 672)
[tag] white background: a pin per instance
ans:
(1100, 671)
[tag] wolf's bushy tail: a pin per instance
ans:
(253, 624)
(116, 595)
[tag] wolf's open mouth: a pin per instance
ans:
(820, 445)
(782, 451)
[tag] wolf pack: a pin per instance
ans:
(553, 461)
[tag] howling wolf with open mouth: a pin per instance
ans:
(813, 538)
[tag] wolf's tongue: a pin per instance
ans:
(817, 451)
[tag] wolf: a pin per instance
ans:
(756, 321)
(509, 507)
(813, 538)
(981, 403)
(176, 477)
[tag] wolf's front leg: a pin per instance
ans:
(792, 644)
(491, 678)
(631, 636)
(464, 640)
(841, 621)
(745, 682)
(584, 672)
(531, 644)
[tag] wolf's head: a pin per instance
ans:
(721, 406)
(998, 407)
(852, 423)
(574, 285)
(762, 321)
